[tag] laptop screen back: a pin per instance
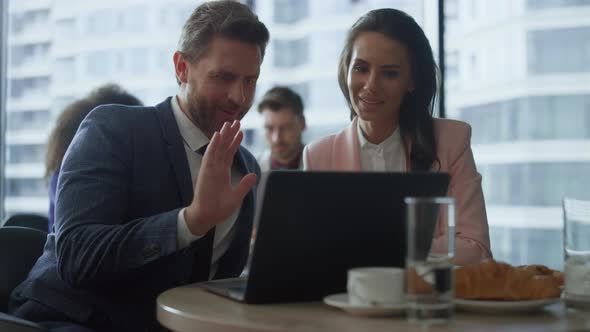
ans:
(314, 226)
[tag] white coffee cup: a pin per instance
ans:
(375, 286)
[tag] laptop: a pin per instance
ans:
(314, 226)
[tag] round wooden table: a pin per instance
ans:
(189, 308)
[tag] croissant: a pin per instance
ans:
(493, 280)
(545, 271)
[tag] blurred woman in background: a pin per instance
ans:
(66, 126)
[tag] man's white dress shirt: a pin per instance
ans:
(194, 139)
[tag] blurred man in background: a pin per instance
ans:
(284, 123)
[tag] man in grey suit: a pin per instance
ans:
(150, 198)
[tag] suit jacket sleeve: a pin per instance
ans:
(472, 243)
(96, 242)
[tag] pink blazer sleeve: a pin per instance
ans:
(472, 242)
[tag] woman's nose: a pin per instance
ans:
(371, 83)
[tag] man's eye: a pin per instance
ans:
(224, 76)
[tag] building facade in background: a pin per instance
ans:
(517, 70)
(519, 73)
(61, 49)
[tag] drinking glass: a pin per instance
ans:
(429, 264)
(576, 231)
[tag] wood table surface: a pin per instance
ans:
(189, 308)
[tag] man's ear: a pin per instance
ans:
(180, 67)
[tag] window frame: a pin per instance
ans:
(3, 96)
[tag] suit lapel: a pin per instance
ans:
(201, 249)
(176, 152)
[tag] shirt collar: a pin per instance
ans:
(192, 136)
(293, 164)
(393, 140)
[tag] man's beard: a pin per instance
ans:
(289, 152)
(203, 114)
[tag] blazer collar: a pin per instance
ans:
(190, 133)
(175, 147)
(177, 154)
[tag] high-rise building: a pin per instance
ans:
(28, 106)
(519, 73)
(516, 70)
(59, 50)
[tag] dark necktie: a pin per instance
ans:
(202, 149)
(204, 247)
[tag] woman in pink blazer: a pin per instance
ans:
(387, 74)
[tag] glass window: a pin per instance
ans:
(451, 10)
(29, 87)
(325, 95)
(65, 69)
(29, 54)
(28, 120)
(28, 21)
(521, 246)
(302, 89)
(535, 184)
(66, 29)
(18, 187)
(25, 153)
(134, 19)
(99, 63)
(290, 11)
(559, 50)
(546, 4)
(325, 47)
(290, 53)
(529, 132)
(138, 61)
(452, 65)
(530, 118)
(102, 22)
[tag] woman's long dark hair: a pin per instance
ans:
(415, 118)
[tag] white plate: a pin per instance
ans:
(341, 301)
(495, 307)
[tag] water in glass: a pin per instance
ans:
(432, 303)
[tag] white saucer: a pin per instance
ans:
(503, 307)
(341, 301)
